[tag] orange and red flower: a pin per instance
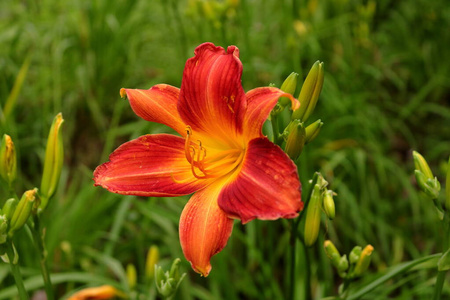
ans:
(221, 154)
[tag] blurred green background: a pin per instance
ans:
(386, 93)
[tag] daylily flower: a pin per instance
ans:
(221, 154)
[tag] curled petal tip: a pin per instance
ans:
(234, 50)
(202, 270)
(123, 93)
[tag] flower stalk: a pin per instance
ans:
(11, 253)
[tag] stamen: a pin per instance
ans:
(216, 165)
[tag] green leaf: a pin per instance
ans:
(394, 271)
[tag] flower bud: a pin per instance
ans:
(421, 164)
(312, 131)
(131, 276)
(295, 139)
(22, 211)
(167, 283)
(310, 92)
(312, 220)
(8, 160)
(364, 261)
(3, 229)
(328, 204)
(152, 260)
(343, 265)
(54, 155)
(288, 86)
(430, 186)
(355, 254)
(332, 253)
(9, 207)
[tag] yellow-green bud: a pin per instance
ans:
(288, 86)
(421, 164)
(167, 283)
(430, 186)
(312, 220)
(54, 155)
(332, 253)
(8, 160)
(3, 229)
(343, 265)
(355, 254)
(328, 204)
(131, 276)
(9, 207)
(312, 131)
(295, 139)
(22, 211)
(152, 260)
(364, 261)
(310, 92)
(447, 187)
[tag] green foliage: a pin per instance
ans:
(386, 89)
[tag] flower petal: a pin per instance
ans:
(151, 165)
(100, 292)
(260, 102)
(204, 228)
(267, 186)
(211, 97)
(157, 104)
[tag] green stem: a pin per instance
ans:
(441, 274)
(293, 244)
(23, 295)
(439, 285)
(43, 258)
(307, 273)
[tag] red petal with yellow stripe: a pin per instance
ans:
(152, 165)
(266, 187)
(204, 228)
(157, 104)
(212, 100)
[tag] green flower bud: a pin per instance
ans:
(312, 219)
(3, 229)
(332, 253)
(364, 261)
(131, 276)
(295, 139)
(175, 269)
(167, 283)
(343, 265)
(328, 204)
(8, 160)
(355, 254)
(421, 164)
(312, 131)
(54, 155)
(288, 86)
(310, 92)
(22, 211)
(9, 207)
(430, 186)
(152, 260)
